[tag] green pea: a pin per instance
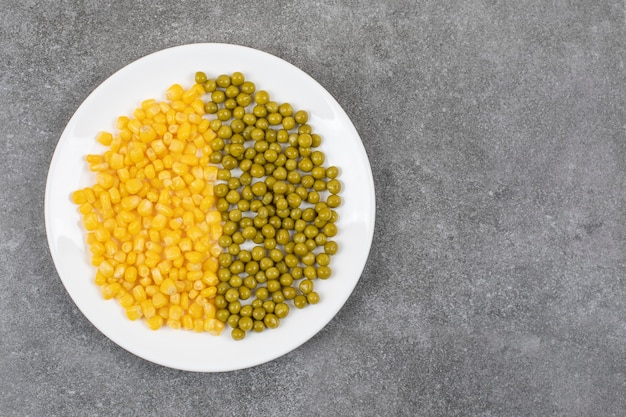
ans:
(222, 314)
(332, 172)
(324, 272)
(211, 107)
(277, 297)
(313, 297)
(316, 140)
(231, 91)
(285, 109)
(223, 80)
(218, 96)
(300, 301)
(273, 284)
(262, 293)
(200, 77)
(310, 272)
(220, 302)
(244, 293)
(333, 201)
(259, 326)
(288, 123)
(248, 87)
(271, 321)
(258, 313)
(306, 286)
(269, 305)
(210, 85)
(243, 100)
(262, 97)
(281, 310)
(238, 334)
(289, 293)
(245, 324)
(259, 111)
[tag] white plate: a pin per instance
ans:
(149, 77)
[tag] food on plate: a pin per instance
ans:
(150, 216)
(213, 207)
(277, 198)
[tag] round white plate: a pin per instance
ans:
(149, 77)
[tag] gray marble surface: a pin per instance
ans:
(496, 283)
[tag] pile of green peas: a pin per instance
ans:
(277, 200)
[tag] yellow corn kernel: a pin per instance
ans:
(176, 146)
(197, 186)
(102, 234)
(136, 154)
(214, 326)
(130, 274)
(198, 106)
(175, 92)
(159, 300)
(198, 325)
(120, 257)
(79, 197)
(168, 287)
(147, 308)
(139, 114)
(178, 105)
(210, 278)
(216, 231)
(180, 118)
(100, 279)
(155, 322)
(121, 122)
(143, 271)
(195, 276)
(104, 138)
(129, 203)
(134, 126)
(105, 180)
(174, 324)
(189, 96)
(126, 300)
(106, 269)
(187, 322)
(195, 310)
(110, 248)
(144, 208)
(118, 272)
(96, 248)
(111, 290)
(133, 312)
(133, 186)
(116, 161)
(134, 227)
(114, 195)
(151, 107)
(164, 312)
(175, 312)
(184, 131)
(216, 250)
(171, 252)
(164, 209)
(159, 221)
(139, 293)
(203, 126)
(209, 292)
(211, 265)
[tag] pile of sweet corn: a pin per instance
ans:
(152, 227)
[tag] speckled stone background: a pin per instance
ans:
(496, 283)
